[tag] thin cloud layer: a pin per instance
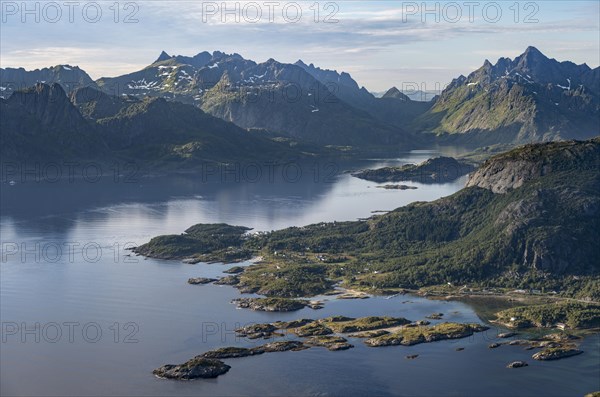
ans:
(367, 37)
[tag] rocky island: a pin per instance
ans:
(384, 331)
(409, 336)
(556, 353)
(271, 304)
(436, 170)
(255, 331)
(517, 364)
(348, 324)
(397, 187)
(330, 342)
(195, 368)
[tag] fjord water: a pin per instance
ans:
(149, 316)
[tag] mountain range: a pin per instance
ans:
(296, 100)
(43, 123)
(529, 99)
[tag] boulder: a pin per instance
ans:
(517, 364)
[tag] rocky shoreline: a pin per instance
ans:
(375, 331)
(316, 333)
(409, 336)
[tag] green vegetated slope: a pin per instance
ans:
(541, 234)
(572, 314)
(200, 242)
(540, 231)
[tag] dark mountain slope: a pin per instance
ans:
(393, 108)
(69, 77)
(40, 123)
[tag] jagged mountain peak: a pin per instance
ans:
(342, 80)
(395, 93)
(531, 66)
(163, 57)
(532, 58)
(316, 68)
(202, 54)
(219, 55)
(66, 67)
(458, 81)
(532, 51)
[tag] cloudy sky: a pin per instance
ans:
(381, 43)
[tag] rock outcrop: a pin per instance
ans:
(513, 169)
(197, 367)
(556, 353)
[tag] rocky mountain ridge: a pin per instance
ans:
(529, 99)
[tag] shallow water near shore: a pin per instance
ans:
(139, 314)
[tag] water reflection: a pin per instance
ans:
(52, 209)
(170, 314)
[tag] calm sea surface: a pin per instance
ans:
(106, 320)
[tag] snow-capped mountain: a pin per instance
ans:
(282, 98)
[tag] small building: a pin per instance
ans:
(561, 326)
